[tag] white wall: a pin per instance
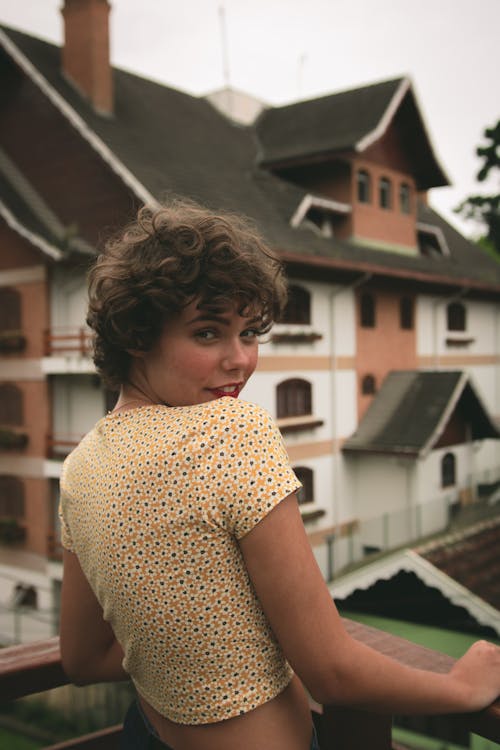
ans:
(78, 404)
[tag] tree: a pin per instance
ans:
(485, 209)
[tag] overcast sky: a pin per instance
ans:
(283, 50)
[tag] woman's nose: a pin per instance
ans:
(236, 355)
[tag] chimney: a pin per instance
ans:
(85, 55)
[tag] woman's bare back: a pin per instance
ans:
(283, 723)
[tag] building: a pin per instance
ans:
(393, 320)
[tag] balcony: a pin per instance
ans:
(67, 350)
(33, 668)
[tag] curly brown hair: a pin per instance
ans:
(163, 261)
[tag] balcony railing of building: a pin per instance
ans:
(67, 341)
(36, 667)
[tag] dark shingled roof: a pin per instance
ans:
(172, 142)
(471, 556)
(340, 122)
(411, 410)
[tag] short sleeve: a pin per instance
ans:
(251, 468)
(66, 539)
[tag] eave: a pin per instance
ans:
(77, 122)
(352, 269)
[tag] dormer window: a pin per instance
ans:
(404, 198)
(385, 193)
(431, 241)
(321, 215)
(364, 186)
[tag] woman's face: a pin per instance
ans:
(199, 356)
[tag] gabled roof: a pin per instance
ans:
(349, 121)
(26, 213)
(411, 410)
(471, 556)
(163, 141)
(409, 560)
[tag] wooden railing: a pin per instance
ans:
(32, 668)
(67, 341)
(58, 446)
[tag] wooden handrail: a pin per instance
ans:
(67, 340)
(36, 667)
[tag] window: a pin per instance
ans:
(25, 596)
(294, 398)
(431, 241)
(11, 497)
(404, 198)
(367, 307)
(448, 478)
(298, 307)
(364, 186)
(456, 317)
(406, 313)
(385, 193)
(368, 385)
(10, 310)
(306, 492)
(11, 405)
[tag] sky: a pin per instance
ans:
(284, 50)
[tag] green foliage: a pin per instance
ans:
(485, 209)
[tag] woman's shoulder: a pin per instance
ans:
(238, 412)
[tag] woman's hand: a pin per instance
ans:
(335, 668)
(478, 671)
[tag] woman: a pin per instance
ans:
(186, 563)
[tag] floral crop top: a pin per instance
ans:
(153, 502)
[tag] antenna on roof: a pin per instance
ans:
(225, 58)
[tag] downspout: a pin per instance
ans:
(333, 371)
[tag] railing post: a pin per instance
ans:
(350, 729)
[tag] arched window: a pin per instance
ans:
(306, 492)
(10, 310)
(448, 478)
(456, 317)
(368, 385)
(364, 186)
(385, 192)
(25, 596)
(11, 497)
(294, 398)
(404, 198)
(11, 405)
(298, 307)
(406, 307)
(367, 308)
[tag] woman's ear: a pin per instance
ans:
(137, 353)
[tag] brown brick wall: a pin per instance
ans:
(385, 347)
(37, 515)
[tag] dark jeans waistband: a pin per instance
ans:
(139, 734)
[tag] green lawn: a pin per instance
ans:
(15, 742)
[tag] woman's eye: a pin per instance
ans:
(251, 333)
(205, 335)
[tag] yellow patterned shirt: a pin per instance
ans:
(153, 502)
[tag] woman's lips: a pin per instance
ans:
(227, 390)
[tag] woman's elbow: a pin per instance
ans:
(75, 666)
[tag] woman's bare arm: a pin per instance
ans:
(334, 667)
(89, 649)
